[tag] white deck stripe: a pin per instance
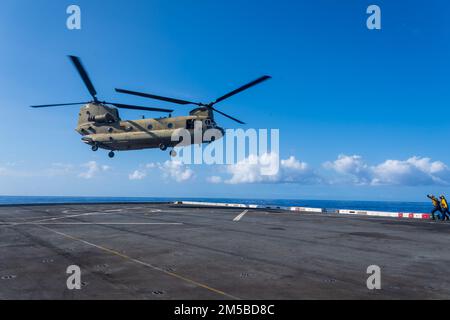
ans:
(75, 215)
(239, 217)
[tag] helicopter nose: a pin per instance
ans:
(222, 130)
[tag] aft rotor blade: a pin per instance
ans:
(244, 87)
(133, 107)
(83, 74)
(59, 105)
(152, 96)
(228, 116)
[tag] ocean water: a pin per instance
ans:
(418, 207)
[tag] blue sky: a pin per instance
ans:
(363, 113)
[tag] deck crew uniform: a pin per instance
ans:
(444, 207)
(436, 207)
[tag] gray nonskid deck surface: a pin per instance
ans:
(157, 251)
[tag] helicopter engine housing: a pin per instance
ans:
(97, 113)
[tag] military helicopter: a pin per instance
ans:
(101, 126)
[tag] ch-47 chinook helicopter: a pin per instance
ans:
(101, 126)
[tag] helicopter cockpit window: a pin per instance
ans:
(190, 124)
(210, 123)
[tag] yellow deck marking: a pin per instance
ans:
(141, 262)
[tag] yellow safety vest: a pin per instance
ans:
(444, 203)
(435, 202)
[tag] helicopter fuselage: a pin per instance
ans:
(101, 126)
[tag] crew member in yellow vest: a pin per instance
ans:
(436, 207)
(444, 207)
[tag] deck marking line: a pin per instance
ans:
(74, 216)
(89, 223)
(239, 217)
(141, 263)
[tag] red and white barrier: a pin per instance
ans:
(311, 210)
(250, 206)
(218, 204)
(306, 209)
(386, 214)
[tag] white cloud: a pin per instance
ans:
(176, 170)
(411, 172)
(171, 169)
(214, 179)
(260, 169)
(137, 175)
(92, 169)
(352, 168)
(293, 170)
(60, 169)
(414, 171)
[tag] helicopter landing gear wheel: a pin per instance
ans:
(163, 147)
(94, 147)
(111, 154)
(173, 153)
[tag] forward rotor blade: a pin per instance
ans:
(84, 76)
(226, 115)
(132, 107)
(152, 96)
(59, 105)
(244, 87)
